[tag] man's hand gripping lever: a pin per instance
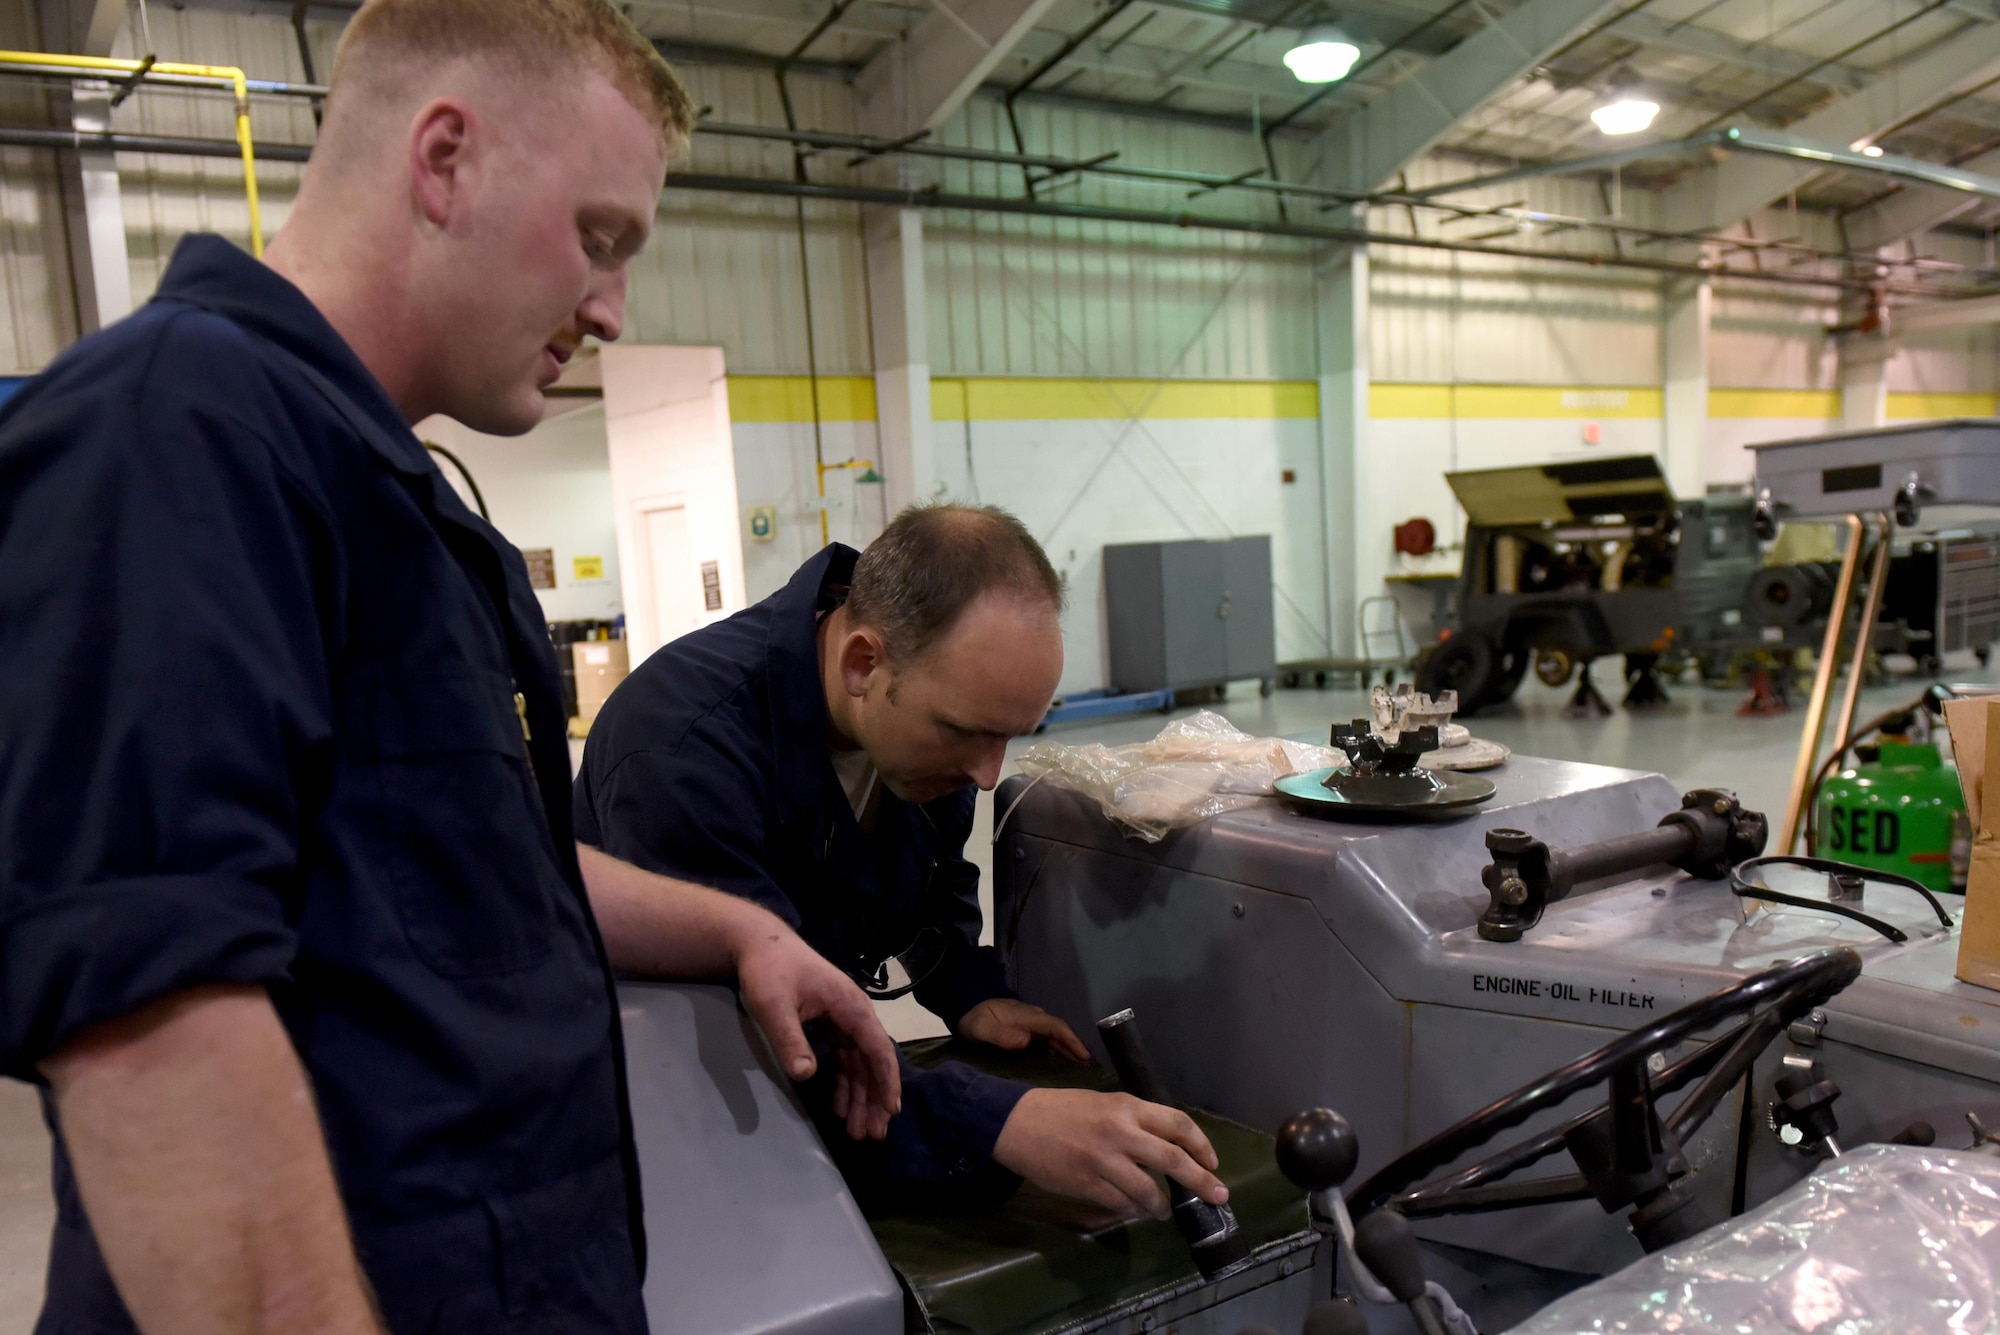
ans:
(1211, 1231)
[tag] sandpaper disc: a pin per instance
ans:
(1358, 797)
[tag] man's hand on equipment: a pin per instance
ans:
(1106, 1148)
(659, 927)
(1013, 1025)
(785, 984)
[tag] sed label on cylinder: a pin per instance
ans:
(1864, 830)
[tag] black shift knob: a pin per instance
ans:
(1388, 1248)
(1317, 1149)
(1339, 1317)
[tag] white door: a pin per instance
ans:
(676, 584)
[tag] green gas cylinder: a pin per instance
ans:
(1900, 812)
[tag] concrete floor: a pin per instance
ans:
(1696, 740)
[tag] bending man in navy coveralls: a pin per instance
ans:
(294, 932)
(818, 753)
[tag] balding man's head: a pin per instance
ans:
(934, 561)
(950, 644)
(486, 171)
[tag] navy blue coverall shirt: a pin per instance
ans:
(711, 763)
(259, 726)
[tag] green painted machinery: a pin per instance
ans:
(1900, 812)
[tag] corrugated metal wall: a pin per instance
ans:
(167, 197)
(1767, 338)
(1009, 296)
(1445, 317)
(40, 316)
(725, 269)
(1046, 296)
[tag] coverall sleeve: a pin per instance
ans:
(696, 813)
(166, 699)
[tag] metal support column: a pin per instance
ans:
(1684, 373)
(893, 242)
(1341, 282)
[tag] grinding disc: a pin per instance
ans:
(1474, 753)
(1448, 794)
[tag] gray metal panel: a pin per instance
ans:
(1134, 611)
(1251, 630)
(1191, 578)
(1955, 463)
(749, 1226)
(1353, 975)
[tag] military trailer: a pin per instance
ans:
(1566, 563)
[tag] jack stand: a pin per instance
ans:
(1643, 688)
(1587, 702)
(1768, 696)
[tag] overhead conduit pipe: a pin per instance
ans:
(58, 65)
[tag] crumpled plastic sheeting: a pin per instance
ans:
(1197, 767)
(1885, 1239)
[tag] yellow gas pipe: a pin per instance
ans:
(78, 66)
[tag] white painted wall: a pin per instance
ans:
(1079, 485)
(666, 423)
(550, 488)
(774, 466)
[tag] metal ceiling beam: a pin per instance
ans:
(1371, 144)
(1945, 315)
(1913, 211)
(914, 85)
(1723, 194)
(1707, 44)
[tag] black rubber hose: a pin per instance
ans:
(466, 473)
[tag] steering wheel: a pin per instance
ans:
(1626, 1154)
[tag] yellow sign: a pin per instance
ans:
(587, 567)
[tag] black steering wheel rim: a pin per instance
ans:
(1784, 992)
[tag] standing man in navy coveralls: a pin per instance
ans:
(294, 933)
(820, 753)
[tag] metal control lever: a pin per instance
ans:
(1710, 834)
(1384, 1243)
(1317, 1150)
(1339, 1317)
(1803, 1116)
(1211, 1231)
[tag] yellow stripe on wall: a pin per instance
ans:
(851, 398)
(1515, 401)
(1026, 399)
(1904, 407)
(1818, 404)
(788, 398)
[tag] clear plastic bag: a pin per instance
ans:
(1197, 767)
(1885, 1239)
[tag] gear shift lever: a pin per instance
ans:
(1384, 1243)
(1211, 1231)
(1317, 1150)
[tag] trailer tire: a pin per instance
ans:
(1467, 663)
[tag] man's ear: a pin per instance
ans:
(863, 660)
(440, 158)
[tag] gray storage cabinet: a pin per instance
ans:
(1189, 614)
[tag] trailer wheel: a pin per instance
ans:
(1467, 663)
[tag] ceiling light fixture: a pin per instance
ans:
(1626, 109)
(1324, 54)
(1866, 149)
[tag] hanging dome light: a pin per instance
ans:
(1626, 115)
(1626, 108)
(1324, 54)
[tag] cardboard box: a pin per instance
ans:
(600, 666)
(1975, 743)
